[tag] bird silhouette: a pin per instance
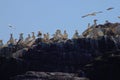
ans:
(110, 8)
(92, 14)
(119, 17)
(10, 26)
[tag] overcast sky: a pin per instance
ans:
(49, 15)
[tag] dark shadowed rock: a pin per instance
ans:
(31, 75)
(11, 67)
(104, 68)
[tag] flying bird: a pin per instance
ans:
(92, 14)
(10, 26)
(110, 8)
(119, 17)
(85, 16)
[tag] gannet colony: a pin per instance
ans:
(92, 55)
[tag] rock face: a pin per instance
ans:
(65, 57)
(11, 67)
(32, 75)
(104, 68)
(95, 56)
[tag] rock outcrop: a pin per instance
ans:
(96, 55)
(32, 75)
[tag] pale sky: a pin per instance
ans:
(49, 15)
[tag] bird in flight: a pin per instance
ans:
(10, 26)
(92, 14)
(119, 17)
(110, 8)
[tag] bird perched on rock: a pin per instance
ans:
(33, 35)
(76, 35)
(92, 14)
(11, 40)
(65, 35)
(48, 36)
(21, 36)
(95, 22)
(58, 34)
(1, 43)
(32, 40)
(28, 39)
(110, 8)
(88, 25)
(39, 35)
(21, 39)
(45, 37)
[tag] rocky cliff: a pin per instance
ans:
(95, 56)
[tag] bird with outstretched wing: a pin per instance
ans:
(10, 26)
(110, 8)
(92, 14)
